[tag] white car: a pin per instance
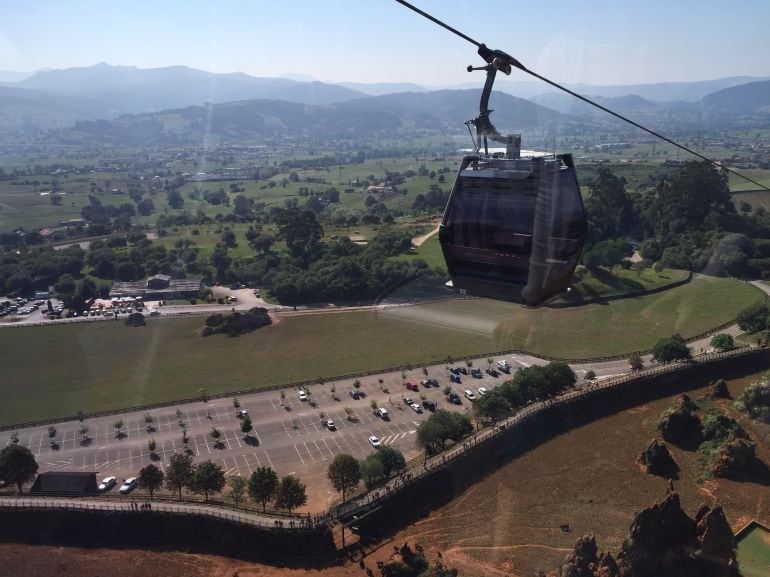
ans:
(416, 408)
(302, 395)
(330, 425)
(375, 442)
(482, 391)
(128, 485)
(382, 413)
(470, 395)
(107, 484)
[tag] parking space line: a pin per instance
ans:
(269, 461)
(245, 460)
(300, 456)
(331, 453)
(309, 454)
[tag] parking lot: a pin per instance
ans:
(289, 434)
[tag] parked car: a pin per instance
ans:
(433, 382)
(430, 405)
(492, 372)
(355, 394)
(504, 366)
(407, 400)
(476, 373)
(330, 425)
(425, 383)
(455, 399)
(412, 386)
(375, 442)
(302, 395)
(242, 413)
(482, 391)
(463, 370)
(155, 313)
(128, 486)
(470, 395)
(382, 413)
(455, 378)
(107, 484)
(416, 408)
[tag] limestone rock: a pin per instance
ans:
(657, 460)
(677, 422)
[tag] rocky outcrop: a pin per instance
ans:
(715, 536)
(679, 421)
(737, 456)
(662, 540)
(718, 390)
(657, 460)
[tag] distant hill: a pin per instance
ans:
(382, 88)
(127, 89)
(748, 99)
(440, 112)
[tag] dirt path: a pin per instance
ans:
(418, 240)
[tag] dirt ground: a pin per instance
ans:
(507, 524)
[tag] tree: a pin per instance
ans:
(118, 426)
(179, 472)
(17, 465)
(246, 426)
(148, 421)
(492, 407)
(753, 318)
(52, 434)
(723, 342)
(344, 473)
(372, 471)
(237, 403)
(290, 493)
(152, 445)
(349, 413)
(635, 362)
(590, 376)
(150, 479)
(671, 349)
(237, 486)
(215, 434)
(262, 485)
(392, 460)
(83, 430)
(208, 478)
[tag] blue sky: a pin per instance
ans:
(590, 41)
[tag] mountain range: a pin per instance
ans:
(105, 102)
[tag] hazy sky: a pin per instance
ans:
(591, 41)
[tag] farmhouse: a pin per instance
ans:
(158, 287)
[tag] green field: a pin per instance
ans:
(754, 553)
(58, 370)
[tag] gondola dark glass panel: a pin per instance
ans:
(514, 228)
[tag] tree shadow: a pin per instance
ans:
(251, 441)
(120, 435)
(219, 445)
(55, 446)
(154, 456)
(85, 441)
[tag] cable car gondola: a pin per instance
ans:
(514, 226)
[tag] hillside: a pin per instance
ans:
(440, 112)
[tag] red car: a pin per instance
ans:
(412, 387)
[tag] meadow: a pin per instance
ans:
(59, 370)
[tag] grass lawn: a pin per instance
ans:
(58, 370)
(754, 553)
